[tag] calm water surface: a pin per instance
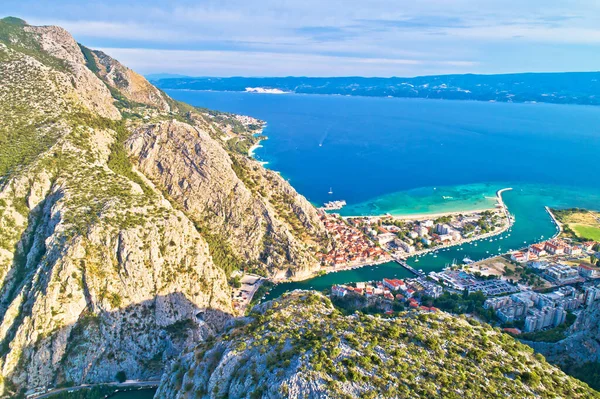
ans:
(416, 156)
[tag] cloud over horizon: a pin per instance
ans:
(333, 38)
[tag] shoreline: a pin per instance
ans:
(334, 269)
(254, 148)
(424, 216)
(559, 228)
(430, 215)
(257, 145)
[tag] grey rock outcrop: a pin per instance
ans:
(260, 215)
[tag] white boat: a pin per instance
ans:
(468, 261)
(330, 191)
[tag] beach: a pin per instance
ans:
(355, 265)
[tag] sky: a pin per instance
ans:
(330, 38)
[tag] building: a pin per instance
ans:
(422, 231)
(543, 318)
(539, 264)
(588, 246)
(591, 294)
(538, 250)
(339, 290)
(554, 248)
(445, 237)
(394, 284)
(589, 271)
(520, 257)
(442, 229)
(385, 238)
(574, 251)
(427, 223)
(404, 245)
(561, 274)
(426, 241)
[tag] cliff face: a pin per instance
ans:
(98, 272)
(107, 265)
(582, 343)
(261, 217)
(299, 346)
(134, 86)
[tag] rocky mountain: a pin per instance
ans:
(122, 212)
(300, 346)
(579, 353)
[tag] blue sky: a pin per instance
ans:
(331, 38)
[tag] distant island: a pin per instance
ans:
(558, 88)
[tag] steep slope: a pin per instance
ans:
(581, 348)
(134, 86)
(98, 272)
(299, 346)
(260, 215)
(108, 266)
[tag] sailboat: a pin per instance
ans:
(330, 191)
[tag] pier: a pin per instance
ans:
(411, 269)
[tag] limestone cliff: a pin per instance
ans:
(259, 214)
(134, 86)
(582, 344)
(109, 265)
(300, 346)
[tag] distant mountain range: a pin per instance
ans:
(560, 88)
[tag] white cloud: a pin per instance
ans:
(231, 63)
(437, 36)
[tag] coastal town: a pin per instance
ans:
(536, 288)
(367, 240)
(570, 272)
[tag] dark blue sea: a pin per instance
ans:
(415, 156)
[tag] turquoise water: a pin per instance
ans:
(415, 156)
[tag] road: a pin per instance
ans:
(116, 385)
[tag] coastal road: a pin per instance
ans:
(115, 385)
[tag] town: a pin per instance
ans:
(374, 239)
(569, 271)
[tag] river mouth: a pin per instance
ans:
(420, 156)
(532, 224)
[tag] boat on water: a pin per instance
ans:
(467, 260)
(330, 191)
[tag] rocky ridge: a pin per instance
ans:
(300, 346)
(580, 348)
(105, 266)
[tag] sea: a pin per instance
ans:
(421, 156)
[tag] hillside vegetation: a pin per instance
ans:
(116, 233)
(300, 346)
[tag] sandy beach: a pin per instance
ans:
(356, 265)
(254, 148)
(425, 216)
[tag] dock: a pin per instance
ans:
(408, 267)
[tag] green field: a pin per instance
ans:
(586, 232)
